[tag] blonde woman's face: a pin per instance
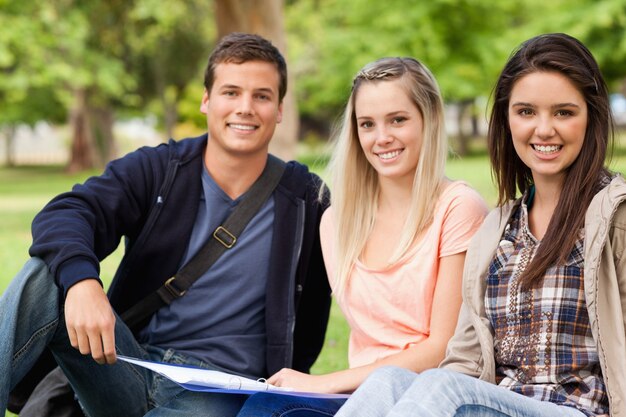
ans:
(390, 127)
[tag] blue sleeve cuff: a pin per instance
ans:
(75, 270)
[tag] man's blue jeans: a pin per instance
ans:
(31, 318)
(397, 392)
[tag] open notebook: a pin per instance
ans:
(197, 379)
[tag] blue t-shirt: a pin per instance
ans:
(221, 319)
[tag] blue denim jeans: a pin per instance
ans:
(32, 318)
(276, 405)
(397, 392)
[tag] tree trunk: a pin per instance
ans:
(167, 96)
(93, 141)
(169, 100)
(462, 137)
(9, 132)
(82, 150)
(265, 18)
(103, 119)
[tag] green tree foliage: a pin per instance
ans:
(147, 55)
(31, 59)
(464, 42)
(170, 45)
(601, 25)
(95, 57)
(334, 38)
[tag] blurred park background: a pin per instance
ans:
(85, 81)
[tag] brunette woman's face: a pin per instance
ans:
(548, 121)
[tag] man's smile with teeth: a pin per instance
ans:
(389, 155)
(242, 127)
(547, 149)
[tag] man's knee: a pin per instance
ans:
(35, 282)
(32, 300)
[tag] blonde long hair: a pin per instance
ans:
(354, 181)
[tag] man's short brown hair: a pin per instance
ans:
(238, 48)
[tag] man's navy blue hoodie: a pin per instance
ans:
(150, 197)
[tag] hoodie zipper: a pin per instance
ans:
(291, 314)
(154, 212)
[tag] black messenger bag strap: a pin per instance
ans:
(224, 237)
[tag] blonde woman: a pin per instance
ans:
(394, 239)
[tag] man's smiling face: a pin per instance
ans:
(242, 108)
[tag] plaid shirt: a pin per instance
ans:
(544, 348)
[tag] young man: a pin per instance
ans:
(261, 306)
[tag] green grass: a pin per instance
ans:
(25, 190)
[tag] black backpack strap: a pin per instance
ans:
(224, 237)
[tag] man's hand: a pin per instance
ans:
(90, 321)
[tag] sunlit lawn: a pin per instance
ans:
(25, 190)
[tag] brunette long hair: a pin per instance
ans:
(561, 53)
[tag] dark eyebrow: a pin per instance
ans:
(230, 86)
(553, 107)
(521, 104)
(265, 90)
(562, 105)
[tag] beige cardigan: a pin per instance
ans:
(470, 350)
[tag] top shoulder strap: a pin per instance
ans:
(223, 238)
